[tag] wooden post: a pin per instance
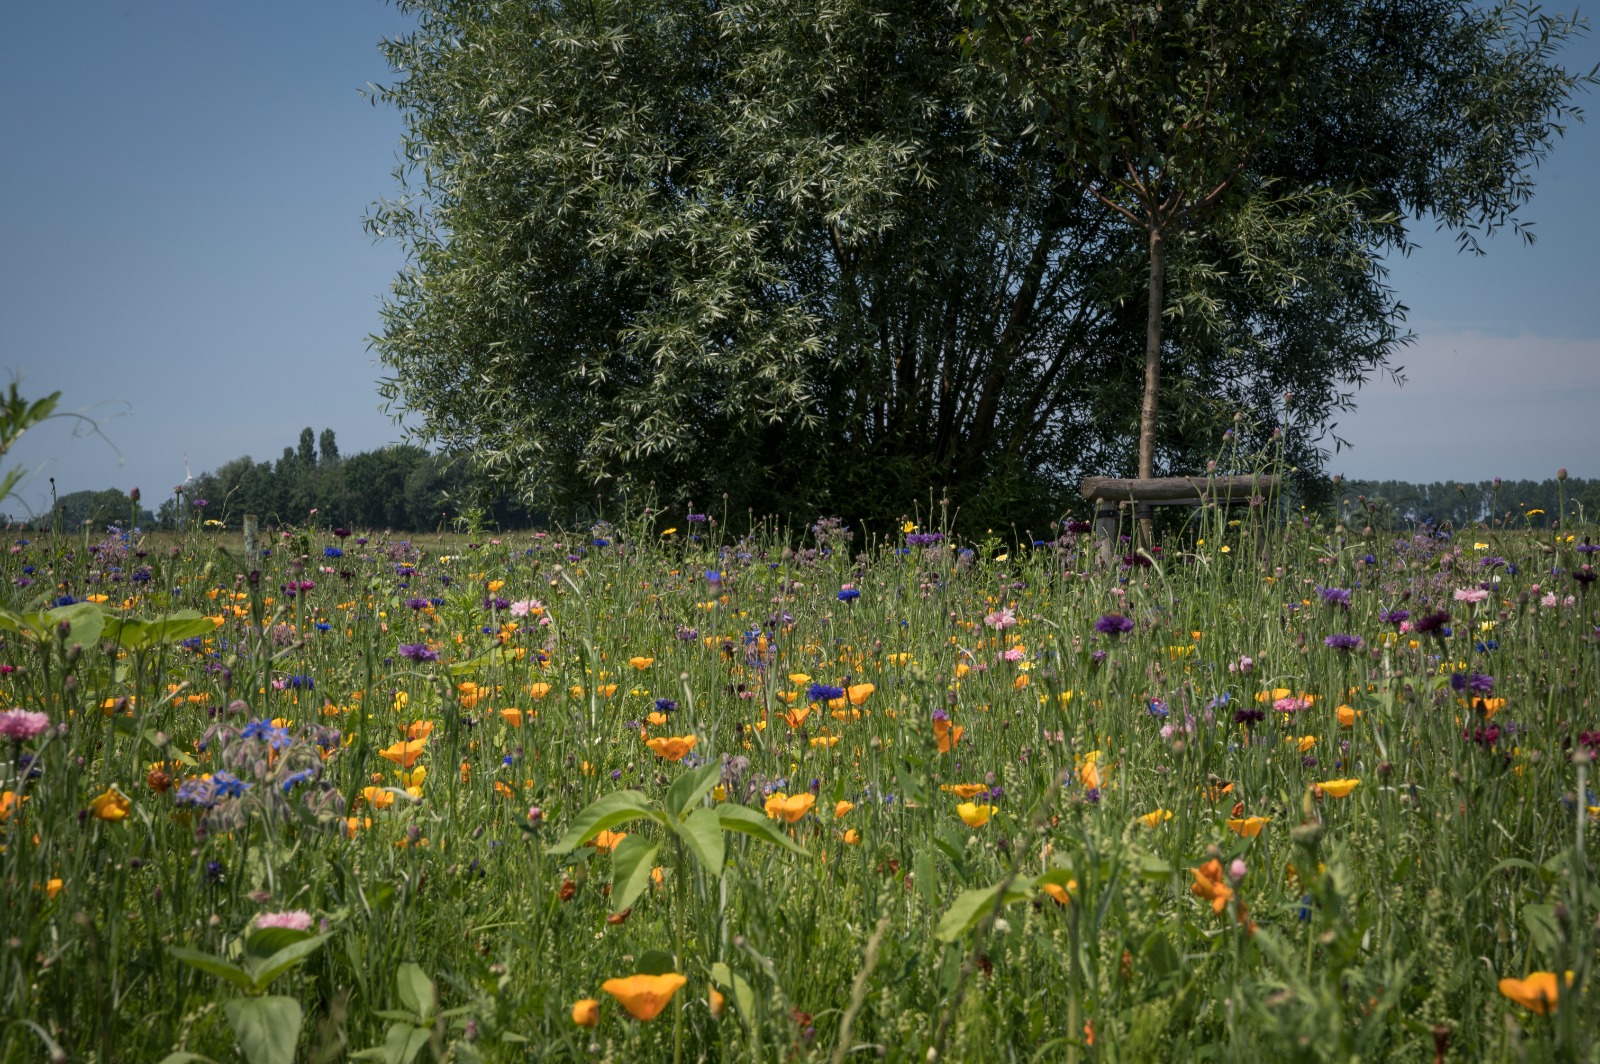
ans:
(250, 534)
(1110, 494)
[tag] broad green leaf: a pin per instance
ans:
(266, 970)
(263, 942)
(744, 997)
(417, 991)
(1543, 928)
(655, 962)
(603, 814)
(971, 906)
(631, 862)
(687, 790)
(85, 620)
(742, 818)
(267, 1027)
(181, 1057)
(401, 1044)
(703, 832)
(212, 965)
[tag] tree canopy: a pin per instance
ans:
(823, 256)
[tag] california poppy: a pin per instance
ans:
(1157, 818)
(404, 753)
(1347, 716)
(946, 734)
(1338, 788)
(641, 663)
(113, 805)
(859, 693)
(1538, 992)
(419, 729)
(1209, 886)
(607, 841)
(586, 1013)
(782, 807)
(672, 747)
(975, 816)
(538, 691)
(1249, 827)
(1062, 895)
(965, 790)
(644, 996)
(378, 797)
(794, 718)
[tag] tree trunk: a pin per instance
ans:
(1152, 369)
(1152, 356)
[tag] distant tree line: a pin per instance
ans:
(399, 487)
(1509, 503)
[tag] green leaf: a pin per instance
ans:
(631, 862)
(655, 962)
(1540, 919)
(86, 621)
(267, 1028)
(744, 998)
(263, 942)
(213, 966)
(742, 818)
(403, 1042)
(687, 790)
(417, 991)
(703, 832)
(971, 906)
(265, 970)
(181, 1057)
(603, 814)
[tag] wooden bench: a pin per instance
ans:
(1110, 495)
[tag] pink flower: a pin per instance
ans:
(524, 607)
(1291, 704)
(19, 725)
(294, 920)
(1237, 870)
(1014, 654)
(1001, 619)
(1470, 594)
(1549, 600)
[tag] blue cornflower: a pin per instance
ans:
(332, 552)
(665, 705)
(1157, 709)
(821, 692)
(849, 594)
(1335, 596)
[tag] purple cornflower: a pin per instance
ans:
(1335, 596)
(1342, 642)
(417, 603)
(1249, 717)
(923, 539)
(20, 725)
(1157, 708)
(1395, 617)
(1113, 624)
(1478, 683)
(418, 652)
(1433, 622)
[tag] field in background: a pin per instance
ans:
(646, 792)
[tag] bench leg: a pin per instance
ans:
(1105, 532)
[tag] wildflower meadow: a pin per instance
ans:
(697, 786)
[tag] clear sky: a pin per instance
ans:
(181, 254)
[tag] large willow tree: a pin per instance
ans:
(820, 255)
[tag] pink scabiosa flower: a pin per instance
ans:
(294, 920)
(1470, 594)
(1291, 704)
(1014, 654)
(524, 607)
(20, 725)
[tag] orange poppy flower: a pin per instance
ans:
(859, 693)
(1208, 885)
(586, 1013)
(607, 841)
(851, 837)
(404, 754)
(644, 996)
(841, 808)
(1347, 716)
(514, 717)
(1538, 992)
(8, 805)
(1249, 827)
(656, 720)
(378, 797)
(641, 663)
(420, 729)
(1215, 791)
(794, 718)
(782, 807)
(1062, 895)
(468, 694)
(538, 691)
(1338, 788)
(672, 747)
(946, 735)
(964, 790)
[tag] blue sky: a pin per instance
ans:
(183, 258)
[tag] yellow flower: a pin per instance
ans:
(899, 659)
(669, 532)
(975, 816)
(825, 741)
(782, 807)
(1338, 788)
(644, 996)
(672, 747)
(964, 790)
(799, 678)
(112, 805)
(1249, 827)
(586, 1013)
(378, 797)
(53, 888)
(1155, 819)
(1304, 742)
(1539, 991)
